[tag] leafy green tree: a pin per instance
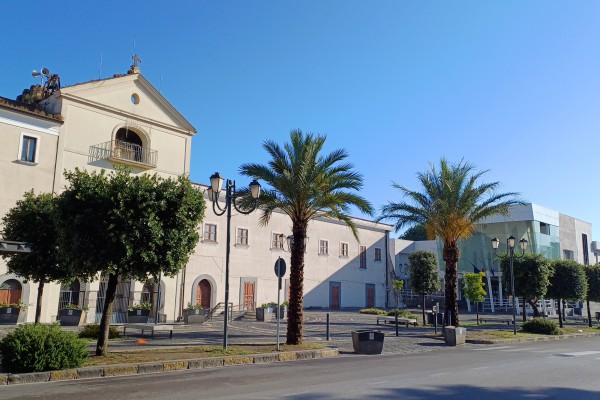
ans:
(473, 289)
(423, 275)
(451, 202)
(592, 274)
(33, 220)
(415, 233)
(398, 285)
(568, 283)
(532, 278)
(305, 184)
(126, 227)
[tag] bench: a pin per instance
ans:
(150, 327)
(496, 320)
(392, 320)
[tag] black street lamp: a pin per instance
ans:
(216, 183)
(510, 247)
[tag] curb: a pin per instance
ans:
(164, 366)
(543, 338)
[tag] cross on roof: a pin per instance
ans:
(136, 59)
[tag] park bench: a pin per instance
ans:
(392, 320)
(150, 327)
(496, 320)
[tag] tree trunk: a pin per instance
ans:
(451, 254)
(477, 310)
(564, 304)
(536, 311)
(589, 313)
(111, 289)
(560, 321)
(38, 306)
(524, 310)
(295, 323)
(423, 297)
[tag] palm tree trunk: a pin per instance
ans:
(111, 289)
(295, 318)
(451, 254)
(38, 306)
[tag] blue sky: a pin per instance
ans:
(510, 86)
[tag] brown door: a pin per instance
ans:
(370, 296)
(249, 295)
(334, 289)
(203, 294)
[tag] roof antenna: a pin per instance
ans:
(100, 68)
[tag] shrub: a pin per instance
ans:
(36, 348)
(402, 313)
(93, 330)
(542, 326)
(374, 311)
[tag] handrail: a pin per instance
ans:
(211, 312)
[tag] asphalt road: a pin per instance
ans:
(547, 370)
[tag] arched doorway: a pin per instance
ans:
(128, 145)
(10, 291)
(150, 295)
(203, 293)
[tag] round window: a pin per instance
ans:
(135, 98)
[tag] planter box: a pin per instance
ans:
(282, 314)
(367, 341)
(70, 316)
(455, 336)
(138, 316)
(9, 315)
(194, 316)
(264, 314)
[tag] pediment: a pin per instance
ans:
(132, 95)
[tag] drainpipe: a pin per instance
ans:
(387, 272)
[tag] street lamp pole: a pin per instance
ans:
(216, 183)
(510, 247)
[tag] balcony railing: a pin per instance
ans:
(124, 152)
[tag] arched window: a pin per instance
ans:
(10, 291)
(69, 294)
(128, 145)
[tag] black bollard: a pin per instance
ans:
(327, 326)
(396, 324)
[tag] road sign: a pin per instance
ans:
(280, 267)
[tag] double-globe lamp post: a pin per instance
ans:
(510, 246)
(216, 183)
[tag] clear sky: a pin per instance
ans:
(510, 86)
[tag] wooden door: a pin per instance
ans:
(249, 296)
(203, 294)
(370, 296)
(334, 291)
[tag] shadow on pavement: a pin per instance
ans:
(466, 392)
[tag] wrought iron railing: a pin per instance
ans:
(120, 150)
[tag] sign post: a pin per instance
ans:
(279, 273)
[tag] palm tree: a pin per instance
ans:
(305, 185)
(451, 202)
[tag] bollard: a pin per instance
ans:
(327, 326)
(396, 324)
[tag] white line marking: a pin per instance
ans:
(379, 383)
(494, 348)
(474, 369)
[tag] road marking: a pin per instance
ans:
(378, 383)
(579, 353)
(474, 369)
(439, 374)
(494, 348)
(295, 394)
